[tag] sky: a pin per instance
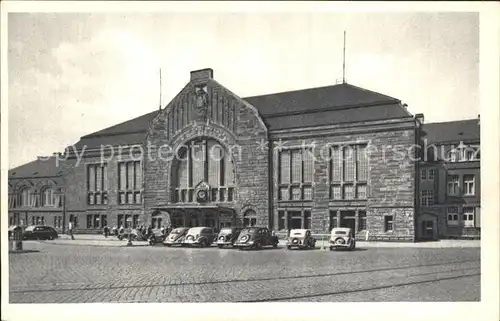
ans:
(72, 74)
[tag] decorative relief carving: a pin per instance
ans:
(201, 101)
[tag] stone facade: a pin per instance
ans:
(233, 123)
(390, 184)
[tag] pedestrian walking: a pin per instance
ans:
(106, 231)
(114, 231)
(70, 230)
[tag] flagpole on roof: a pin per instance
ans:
(160, 91)
(343, 61)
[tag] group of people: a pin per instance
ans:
(143, 229)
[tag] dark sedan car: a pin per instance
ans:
(227, 236)
(255, 238)
(39, 232)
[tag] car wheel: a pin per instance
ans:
(257, 246)
(275, 245)
(331, 248)
(220, 246)
(51, 238)
(289, 247)
(120, 237)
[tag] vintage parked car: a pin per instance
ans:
(176, 237)
(201, 236)
(227, 236)
(40, 232)
(301, 238)
(342, 238)
(255, 238)
(156, 237)
(136, 235)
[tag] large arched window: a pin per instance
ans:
(27, 197)
(48, 197)
(249, 218)
(203, 160)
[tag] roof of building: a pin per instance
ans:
(451, 131)
(321, 98)
(342, 103)
(41, 167)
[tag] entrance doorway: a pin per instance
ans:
(348, 219)
(427, 230)
(427, 227)
(294, 220)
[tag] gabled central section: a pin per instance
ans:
(201, 102)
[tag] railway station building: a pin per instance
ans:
(316, 158)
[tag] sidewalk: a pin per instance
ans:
(100, 240)
(94, 240)
(423, 245)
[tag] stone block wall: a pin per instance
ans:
(391, 176)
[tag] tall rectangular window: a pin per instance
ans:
(296, 166)
(122, 174)
(130, 182)
(388, 223)
(453, 185)
(97, 184)
(308, 166)
(336, 164)
(348, 172)
(469, 185)
(296, 171)
(362, 164)
(198, 157)
(362, 221)
(284, 167)
(89, 221)
(349, 164)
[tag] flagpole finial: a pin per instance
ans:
(159, 106)
(343, 61)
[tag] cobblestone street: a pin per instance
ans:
(55, 273)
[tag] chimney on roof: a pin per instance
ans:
(202, 75)
(420, 118)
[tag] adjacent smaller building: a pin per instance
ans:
(450, 181)
(36, 194)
